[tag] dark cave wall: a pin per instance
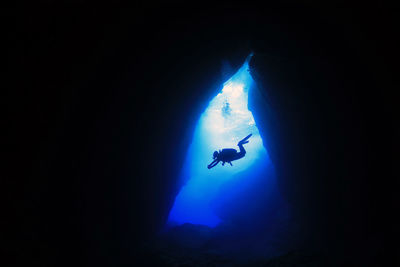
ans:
(102, 105)
(327, 124)
(107, 106)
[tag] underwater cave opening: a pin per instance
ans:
(211, 196)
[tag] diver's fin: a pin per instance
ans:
(244, 139)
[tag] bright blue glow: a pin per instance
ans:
(225, 121)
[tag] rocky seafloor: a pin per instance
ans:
(199, 245)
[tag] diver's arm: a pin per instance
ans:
(213, 164)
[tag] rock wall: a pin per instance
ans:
(101, 104)
(327, 124)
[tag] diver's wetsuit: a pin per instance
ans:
(242, 152)
(229, 154)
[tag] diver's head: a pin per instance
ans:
(215, 155)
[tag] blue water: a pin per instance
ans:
(210, 196)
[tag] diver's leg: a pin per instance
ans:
(241, 149)
(242, 152)
(244, 140)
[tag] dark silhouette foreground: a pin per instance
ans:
(229, 154)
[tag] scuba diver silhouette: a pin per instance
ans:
(229, 154)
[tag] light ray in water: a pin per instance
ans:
(225, 121)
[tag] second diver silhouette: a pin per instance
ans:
(229, 154)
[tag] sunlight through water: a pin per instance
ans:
(223, 124)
